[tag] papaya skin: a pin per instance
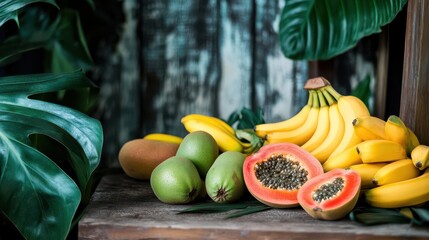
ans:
(138, 157)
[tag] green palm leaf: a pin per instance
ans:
(322, 29)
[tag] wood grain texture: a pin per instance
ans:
(278, 81)
(123, 208)
(119, 106)
(414, 108)
(180, 62)
(235, 51)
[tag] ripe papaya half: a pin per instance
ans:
(275, 173)
(332, 195)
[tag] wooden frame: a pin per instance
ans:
(414, 109)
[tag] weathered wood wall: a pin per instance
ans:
(214, 57)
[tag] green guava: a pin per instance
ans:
(176, 181)
(201, 148)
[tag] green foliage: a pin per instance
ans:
(61, 36)
(367, 215)
(238, 209)
(49, 151)
(322, 29)
(10, 8)
(246, 118)
(36, 194)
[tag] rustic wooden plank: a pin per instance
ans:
(381, 76)
(235, 52)
(180, 62)
(278, 81)
(124, 208)
(120, 88)
(130, 83)
(414, 108)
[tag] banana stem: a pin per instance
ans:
(310, 99)
(316, 83)
(321, 98)
(328, 97)
(334, 93)
(315, 99)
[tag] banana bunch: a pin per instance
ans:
(323, 126)
(389, 160)
(227, 138)
(401, 183)
(404, 193)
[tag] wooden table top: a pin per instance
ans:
(124, 208)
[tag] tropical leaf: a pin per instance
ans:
(246, 118)
(238, 208)
(91, 3)
(9, 9)
(68, 46)
(63, 39)
(374, 216)
(33, 34)
(322, 29)
(35, 193)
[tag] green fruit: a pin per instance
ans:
(224, 181)
(176, 181)
(201, 148)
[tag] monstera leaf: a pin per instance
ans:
(37, 196)
(62, 39)
(322, 29)
(9, 9)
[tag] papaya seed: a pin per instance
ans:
(281, 172)
(328, 190)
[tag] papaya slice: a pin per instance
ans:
(332, 195)
(275, 173)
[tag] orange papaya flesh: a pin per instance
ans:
(283, 192)
(332, 207)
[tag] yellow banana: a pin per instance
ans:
(397, 131)
(289, 124)
(322, 128)
(350, 107)
(395, 172)
(420, 156)
(343, 159)
(163, 137)
(380, 150)
(225, 140)
(367, 172)
(325, 149)
(400, 194)
(301, 134)
(369, 127)
(214, 120)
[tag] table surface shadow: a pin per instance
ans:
(125, 208)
